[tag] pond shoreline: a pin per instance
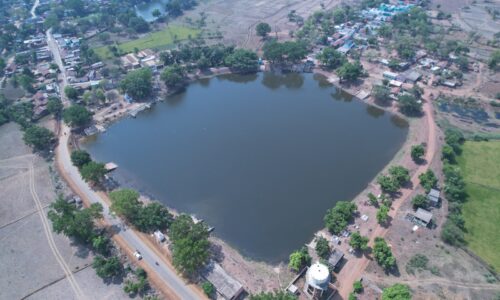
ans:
(252, 273)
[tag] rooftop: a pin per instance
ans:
(424, 215)
(225, 285)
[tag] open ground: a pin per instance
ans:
(236, 20)
(479, 165)
(156, 40)
(31, 257)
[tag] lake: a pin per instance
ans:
(259, 157)
(145, 9)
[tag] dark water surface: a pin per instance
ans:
(260, 157)
(145, 9)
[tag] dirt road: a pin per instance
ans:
(50, 238)
(354, 268)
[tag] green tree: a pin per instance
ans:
(448, 154)
(373, 199)
(263, 29)
(71, 92)
(80, 158)
(72, 222)
(428, 180)
(357, 286)
(352, 296)
(399, 174)
(383, 254)
(153, 216)
(208, 289)
(382, 214)
(242, 61)
(101, 244)
(190, 249)
(322, 248)
(417, 152)
(139, 286)
(337, 218)
(454, 139)
(107, 267)
(419, 201)
(276, 295)
(138, 84)
(77, 116)
(125, 202)
(54, 106)
(331, 58)
(409, 105)
(462, 63)
(174, 76)
(156, 13)
(39, 138)
(494, 61)
(285, 53)
(452, 234)
(388, 184)
(93, 172)
(299, 259)
(358, 242)
(350, 71)
(381, 93)
(397, 291)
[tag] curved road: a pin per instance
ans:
(172, 284)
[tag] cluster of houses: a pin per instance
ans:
(423, 217)
(142, 59)
(39, 62)
(80, 77)
(347, 33)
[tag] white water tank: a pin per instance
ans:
(318, 276)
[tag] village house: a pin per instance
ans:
(433, 197)
(225, 285)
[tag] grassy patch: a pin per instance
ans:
(479, 165)
(158, 39)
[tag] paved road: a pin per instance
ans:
(133, 241)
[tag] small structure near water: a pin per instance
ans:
(225, 285)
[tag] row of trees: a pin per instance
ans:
(190, 245)
(454, 189)
(91, 171)
(285, 53)
(145, 217)
(79, 224)
(334, 60)
(338, 217)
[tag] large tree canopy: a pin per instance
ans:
(190, 247)
(77, 116)
(137, 84)
(242, 61)
(39, 138)
(287, 52)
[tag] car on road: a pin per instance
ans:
(138, 254)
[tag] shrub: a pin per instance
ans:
(322, 247)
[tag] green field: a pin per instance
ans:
(158, 40)
(480, 165)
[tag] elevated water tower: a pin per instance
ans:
(317, 280)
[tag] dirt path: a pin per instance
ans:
(50, 238)
(354, 268)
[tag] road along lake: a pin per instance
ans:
(259, 157)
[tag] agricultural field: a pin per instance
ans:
(158, 40)
(479, 165)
